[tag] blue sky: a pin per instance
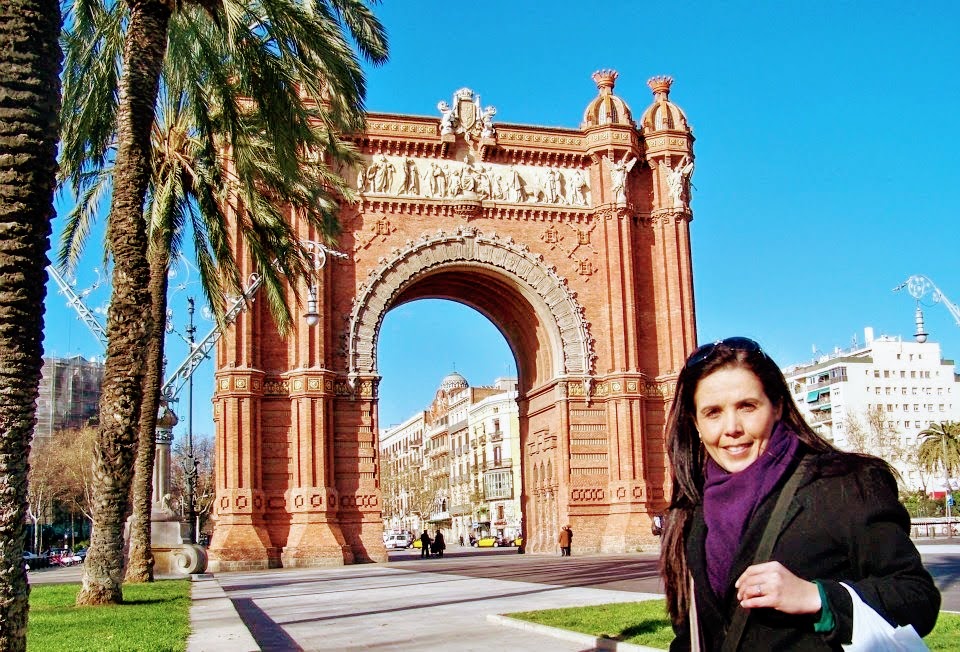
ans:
(827, 162)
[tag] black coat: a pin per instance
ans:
(845, 524)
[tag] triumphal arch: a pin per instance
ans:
(573, 242)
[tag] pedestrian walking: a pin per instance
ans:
(439, 544)
(564, 541)
(425, 545)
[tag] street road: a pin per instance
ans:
(634, 572)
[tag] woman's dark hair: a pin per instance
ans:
(687, 455)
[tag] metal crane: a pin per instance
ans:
(75, 302)
(201, 350)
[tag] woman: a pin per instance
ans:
(735, 439)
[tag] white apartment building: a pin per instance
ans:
(903, 386)
(402, 475)
(455, 466)
(495, 449)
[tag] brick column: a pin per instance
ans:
(314, 538)
(240, 540)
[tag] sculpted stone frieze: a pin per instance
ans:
(405, 176)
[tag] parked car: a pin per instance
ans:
(395, 541)
(485, 542)
(33, 561)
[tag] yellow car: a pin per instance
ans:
(486, 542)
(417, 543)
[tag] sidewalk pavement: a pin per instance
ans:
(376, 606)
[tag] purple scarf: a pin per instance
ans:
(730, 499)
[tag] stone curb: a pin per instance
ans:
(592, 642)
(215, 625)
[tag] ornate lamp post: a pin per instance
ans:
(190, 472)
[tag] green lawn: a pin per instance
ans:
(646, 623)
(154, 617)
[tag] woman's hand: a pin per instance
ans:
(770, 585)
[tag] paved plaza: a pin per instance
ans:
(436, 604)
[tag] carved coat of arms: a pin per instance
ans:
(466, 117)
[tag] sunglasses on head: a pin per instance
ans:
(736, 343)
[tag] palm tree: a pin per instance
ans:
(940, 449)
(255, 81)
(29, 83)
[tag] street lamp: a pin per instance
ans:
(946, 486)
(190, 471)
(318, 254)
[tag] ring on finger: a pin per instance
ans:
(759, 589)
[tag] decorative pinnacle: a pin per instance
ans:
(660, 85)
(605, 79)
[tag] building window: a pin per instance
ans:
(913, 374)
(498, 484)
(886, 373)
(876, 373)
(496, 456)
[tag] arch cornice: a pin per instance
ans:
(468, 246)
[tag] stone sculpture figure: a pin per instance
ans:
(515, 186)
(678, 180)
(380, 174)
(550, 185)
(618, 176)
(410, 181)
(497, 183)
(486, 122)
(446, 118)
(576, 186)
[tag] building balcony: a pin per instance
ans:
(841, 378)
(821, 416)
(496, 436)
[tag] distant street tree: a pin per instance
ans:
(939, 451)
(75, 453)
(29, 103)
(870, 433)
(205, 488)
(46, 483)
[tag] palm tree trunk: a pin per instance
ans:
(129, 316)
(30, 90)
(140, 561)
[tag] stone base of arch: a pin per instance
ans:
(241, 547)
(304, 547)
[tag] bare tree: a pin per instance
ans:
(75, 451)
(203, 454)
(45, 483)
(869, 432)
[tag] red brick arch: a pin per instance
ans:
(575, 243)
